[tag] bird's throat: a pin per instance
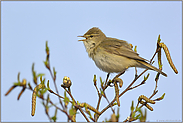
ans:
(90, 47)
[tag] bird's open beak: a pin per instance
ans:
(82, 39)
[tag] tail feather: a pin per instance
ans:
(149, 66)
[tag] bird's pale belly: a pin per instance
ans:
(106, 62)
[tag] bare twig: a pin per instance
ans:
(109, 103)
(77, 105)
(143, 82)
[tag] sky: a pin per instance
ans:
(26, 26)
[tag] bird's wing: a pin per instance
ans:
(120, 47)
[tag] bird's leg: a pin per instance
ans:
(136, 72)
(118, 75)
(107, 78)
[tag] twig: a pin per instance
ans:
(157, 50)
(99, 99)
(97, 90)
(55, 86)
(61, 110)
(77, 105)
(55, 94)
(47, 112)
(143, 82)
(109, 103)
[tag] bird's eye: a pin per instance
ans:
(91, 36)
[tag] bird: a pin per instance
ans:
(113, 55)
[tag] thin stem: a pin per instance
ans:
(99, 96)
(97, 90)
(56, 87)
(77, 105)
(55, 94)
(92, 119)
(143, 82)
(157, 50)
(48, 67)
(47, 112)
(109, 103)
(61, 110)
(132, 83)
(99, 99)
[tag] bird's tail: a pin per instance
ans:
(149, 66)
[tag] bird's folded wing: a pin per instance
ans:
(120, 47)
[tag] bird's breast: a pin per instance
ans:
(112, 63)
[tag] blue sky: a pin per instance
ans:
(25, 27)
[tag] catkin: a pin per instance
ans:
(89, 107)
(34, 98)
(147, 105)
(168, 56)
(146, 99)
(117, 93)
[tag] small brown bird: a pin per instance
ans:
(112, 55)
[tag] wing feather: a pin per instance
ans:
(120, 47)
